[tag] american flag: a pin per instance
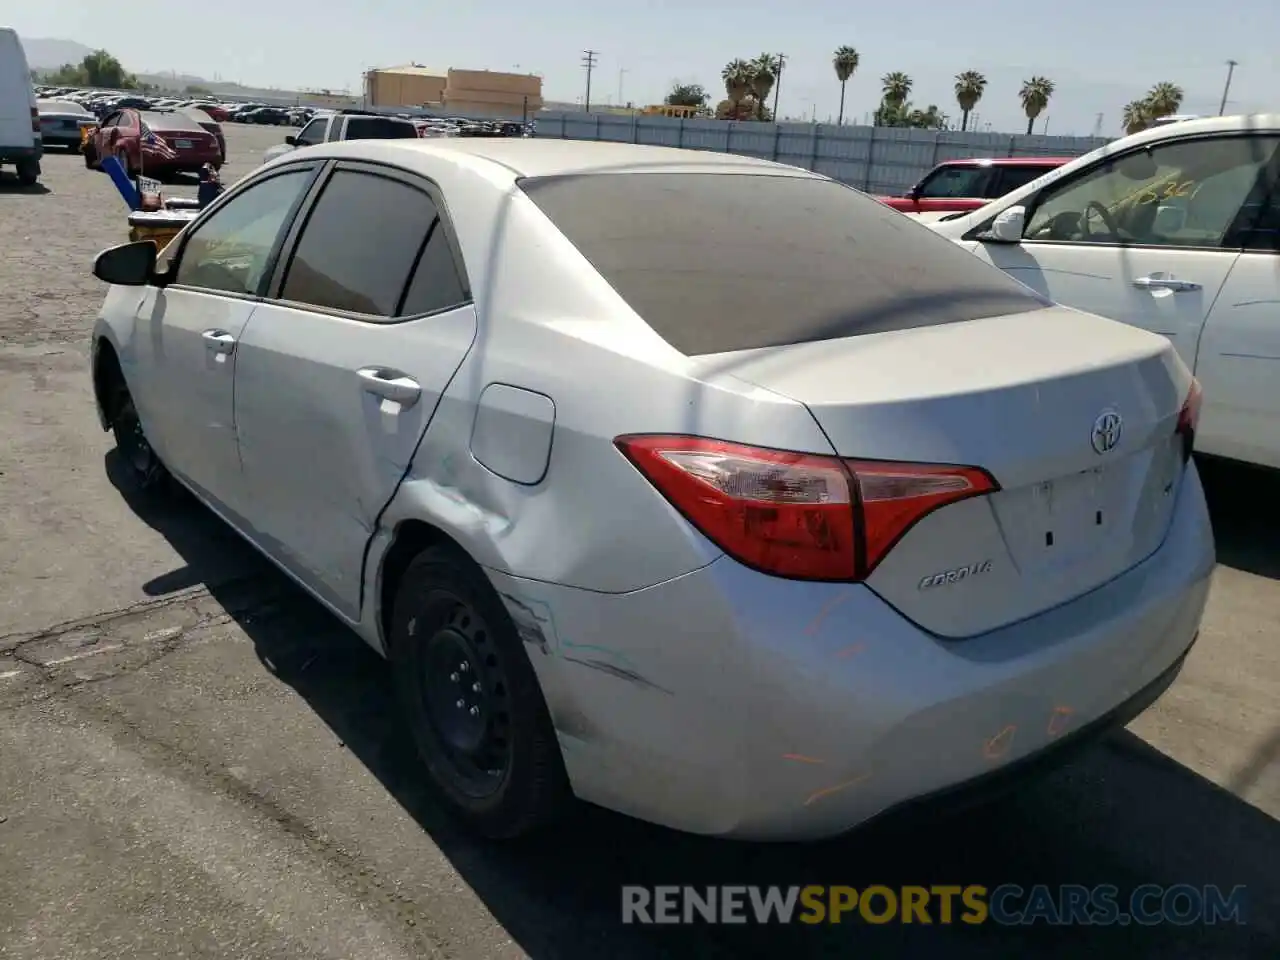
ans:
(158, 146)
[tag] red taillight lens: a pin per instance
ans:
(894, 497)
(1189, 418)
(797, 515)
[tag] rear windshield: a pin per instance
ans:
(60, 106)
(379, 128)
(718, 262)
(169, 121)
(199, 116)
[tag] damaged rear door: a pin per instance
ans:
(339, 373)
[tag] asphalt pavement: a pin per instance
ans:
(197, 761)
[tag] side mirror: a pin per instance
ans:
(128, 265)
(291, 140)
(1009, 225)
(913, 193)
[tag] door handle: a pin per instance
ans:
(390, 385)
(219, 340)
(1165, 283)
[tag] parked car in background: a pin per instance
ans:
(209, 125)
(645, 526)
(62, 123)
(20, 143)
(962, 185)
(154, 143)
(1175, 230)
(333, 127)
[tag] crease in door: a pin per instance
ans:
(1208, 314)
(235, 384)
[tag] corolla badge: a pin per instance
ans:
(1106, 432)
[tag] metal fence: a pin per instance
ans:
(884, 160)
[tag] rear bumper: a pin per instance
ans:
(731, 703)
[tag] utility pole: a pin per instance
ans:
(1231, 68)
(777, 85)
(588, 61)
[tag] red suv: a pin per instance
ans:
(963, 185)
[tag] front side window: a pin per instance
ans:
(952, 183)
(1186, 193)
(311, 134)
(359, 245)
(231, 251)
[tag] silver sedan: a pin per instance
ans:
(702, 488)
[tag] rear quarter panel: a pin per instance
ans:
(550, 324)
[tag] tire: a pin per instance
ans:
(90, 157)
(28, 172)
(488, 744)
(141, 462)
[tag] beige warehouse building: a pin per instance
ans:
(463, 92)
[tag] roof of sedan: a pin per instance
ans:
(533, 157)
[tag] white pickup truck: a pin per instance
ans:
(1175, 230)
(329, 127)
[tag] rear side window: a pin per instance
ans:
(360, 243)
(719, 262)
(1011, 178)
(379, 128)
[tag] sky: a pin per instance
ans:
(1099, 53)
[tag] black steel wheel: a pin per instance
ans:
(472, 699)
(140, 460)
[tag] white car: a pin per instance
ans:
(705, 488)
(1175, 230)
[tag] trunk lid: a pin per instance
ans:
(1019, 396)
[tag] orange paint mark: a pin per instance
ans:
(999, 745)
(1059, 719)
(828, 791)
(826, 611)
(801, 758)
(850, 651)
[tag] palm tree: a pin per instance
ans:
(1035, 94)
(764, 73)
(970, 86)
(1136, 116)
(737, 76)
(895, 87)
(846, 64)
(1164, 99)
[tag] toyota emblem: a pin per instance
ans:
(1106, 432)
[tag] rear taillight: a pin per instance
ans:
(798, 515)
(1189, 418)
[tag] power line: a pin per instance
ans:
(589, 62)
(1231, 68)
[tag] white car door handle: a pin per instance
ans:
(390, 385)
(1165, 283)
(219, 340)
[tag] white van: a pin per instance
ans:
(20, 142)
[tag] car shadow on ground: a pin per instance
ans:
(1246, 515)
(9, 185)
(1121, 814)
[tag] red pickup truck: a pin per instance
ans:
(962, 185)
